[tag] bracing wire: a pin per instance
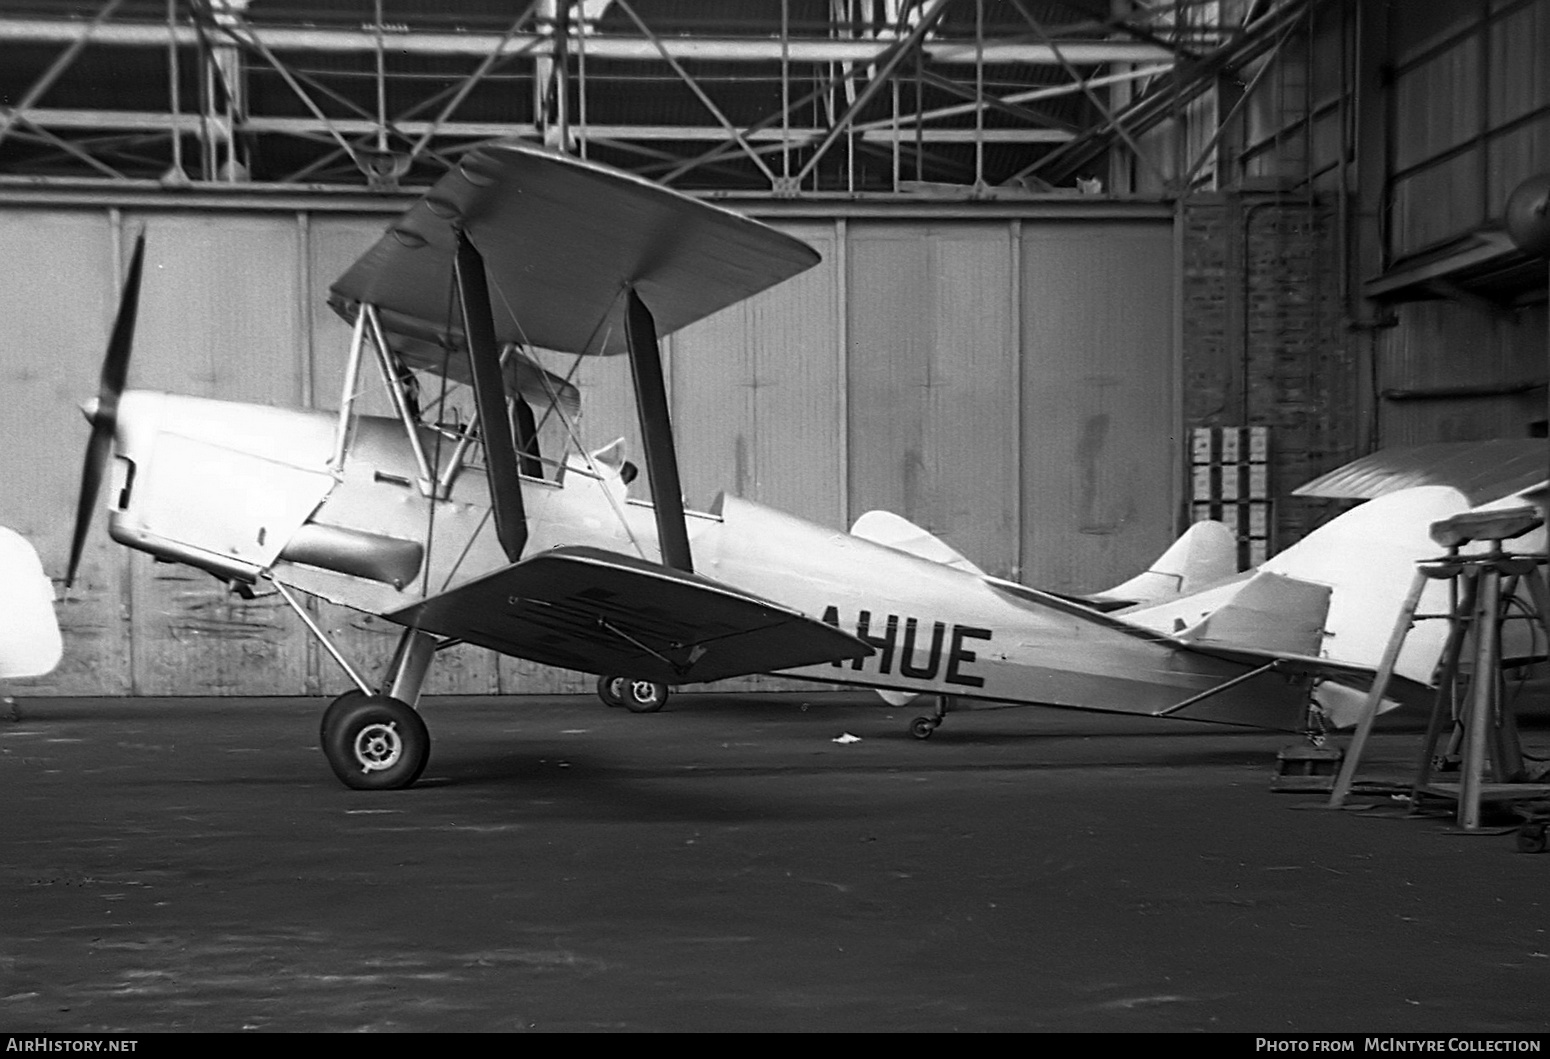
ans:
(572, 433)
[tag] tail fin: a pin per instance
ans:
(1366, 559)
(1368, 556)
(1206, 553)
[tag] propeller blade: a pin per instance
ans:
(115, 365)
(104, 417)
(97, 450)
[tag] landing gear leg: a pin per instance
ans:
(375, 742)
(378, 742)
(922, 727)
(406, 673)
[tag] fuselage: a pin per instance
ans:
(247, 491)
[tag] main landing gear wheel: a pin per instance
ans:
(611, 690)
(642, 696)
(374, 742)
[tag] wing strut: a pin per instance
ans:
(657, 431)
(526, 427)
(500, 454)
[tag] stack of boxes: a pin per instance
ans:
(1230, 482)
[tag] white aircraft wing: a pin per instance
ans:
(600, 612)
(30, 644)
(1483, 471)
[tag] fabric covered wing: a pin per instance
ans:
(601, 612)
(562, 239)
(1482, 470)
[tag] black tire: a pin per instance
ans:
(374, 743)
(922, 727)
(329, 715)
(1531, 838)
(643, 696)
(609, 689)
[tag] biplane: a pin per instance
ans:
(465, 532)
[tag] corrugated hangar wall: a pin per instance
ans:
(1470, 97)
(1010, 384)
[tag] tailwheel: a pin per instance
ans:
(922, 727)
(642, 696)
(374, 742)
(611, 690)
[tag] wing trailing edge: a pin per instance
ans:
(601, 612)
(562, 238)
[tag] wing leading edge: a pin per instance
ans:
(600, 612)
(562, 239)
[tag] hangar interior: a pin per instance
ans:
(1058, 239)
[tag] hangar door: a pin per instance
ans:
(1008, 384)
(1011, 388)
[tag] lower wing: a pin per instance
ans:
(601, 612)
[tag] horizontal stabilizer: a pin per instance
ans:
(1204, 554)
(902, 535)
(1362, 563)
(1270, 613)
(601, 612)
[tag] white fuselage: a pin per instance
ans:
(248, 491)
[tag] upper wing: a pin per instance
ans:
(562, 239)
(601, 612)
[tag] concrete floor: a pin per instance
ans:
(725, 865)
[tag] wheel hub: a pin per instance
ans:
(378, 746)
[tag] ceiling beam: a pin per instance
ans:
(716, 49)
(153, 121)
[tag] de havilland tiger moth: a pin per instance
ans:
(467, 533)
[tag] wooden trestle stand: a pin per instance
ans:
(1482, 589)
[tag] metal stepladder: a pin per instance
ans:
(1483, 589)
